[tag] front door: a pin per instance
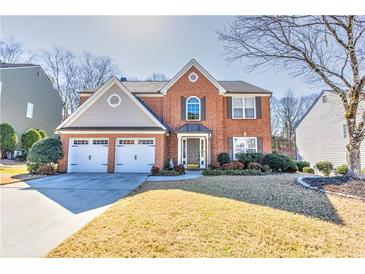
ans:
(193, 150)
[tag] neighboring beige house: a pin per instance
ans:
(28, 99)
(322, 132)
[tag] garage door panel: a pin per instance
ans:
(135, 155)
(88, 155)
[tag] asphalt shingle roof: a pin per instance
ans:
(155, 87)
(9, 65)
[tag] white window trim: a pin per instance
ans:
(29, 114)
(246, 137)
(243, 108)
(186, 109)
(117, 104)
(193, 74)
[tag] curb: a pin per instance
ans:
(300, 181)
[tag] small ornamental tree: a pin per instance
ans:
(8, 138)
(30, 137)
(46, 151)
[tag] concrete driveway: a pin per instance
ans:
(39, 214)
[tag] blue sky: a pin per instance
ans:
(141, 45)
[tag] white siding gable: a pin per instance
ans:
(101, 114)
(320, 135)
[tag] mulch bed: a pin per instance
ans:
(339, 184)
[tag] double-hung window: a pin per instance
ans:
(243, 108)
(244, 145)
(193, 108)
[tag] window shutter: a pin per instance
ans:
(183, 108)
(230, 147)
(229, 107)
(260, 146)
(258, 107)
(203, 108)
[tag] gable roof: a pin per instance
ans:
(102, 90)
(193, 63)
(154, 87)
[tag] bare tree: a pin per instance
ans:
(71, 74)
(307, 101)
(328, 49)
(12, 51)
(95, 70)
(157, 77)
(58, 63)
(286, 112)
(276, 127)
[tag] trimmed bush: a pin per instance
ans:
(233, 165)
(279, 162)
(249, 157)
(169, 172)
(180, 168)
(325, 167)
(254, 165)
(42, 133)
(41, 169)
(223, 158)
(237, 172)
(301, 164)
(8, 138)
(155, 170)
(307, 169)
(29, 138)
(215, 165)
(342, 169)
(266, 169)
(48, 150)
(292, 167)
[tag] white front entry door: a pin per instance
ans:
(134, 155)
(88, 155)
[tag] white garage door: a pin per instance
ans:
(134, 155)
(88, 155)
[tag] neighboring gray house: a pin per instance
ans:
(322, 132)
(28, 99)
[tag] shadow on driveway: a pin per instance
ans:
(81, 192)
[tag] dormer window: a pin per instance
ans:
(193, 108)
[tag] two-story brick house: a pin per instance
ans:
(128, 126)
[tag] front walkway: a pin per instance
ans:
(39, 214)
(189, 175)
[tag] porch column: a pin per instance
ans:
(178, 149)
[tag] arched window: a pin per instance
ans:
(193, 108)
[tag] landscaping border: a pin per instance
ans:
(300, 181)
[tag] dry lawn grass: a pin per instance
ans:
(9, 175)
(263, 216)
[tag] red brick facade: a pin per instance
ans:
(168, 107)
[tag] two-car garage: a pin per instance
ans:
(91, 154)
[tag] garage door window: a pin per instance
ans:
(145, 142)
(81, 142)
(100, 142)
(126, 142)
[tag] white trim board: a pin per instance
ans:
(193, 63)
(108, 132)
(102, 90)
